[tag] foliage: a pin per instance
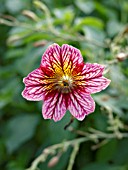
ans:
(99, 29)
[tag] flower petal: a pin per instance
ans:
(54, 107)
(61, 59)
(72, 60)
(92, 70)
(97, 84)
(34, 88)
(51, 58)
(70, 53)
(80, 104)
(92, 79)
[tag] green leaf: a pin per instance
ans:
(63, 14)
(121, 154)
(20, 129)
(14, 6)
(114, 27)
(31, 60)
(2, 150)
(93, 33)
(105, 11)
(7, 93)
(119, 81)
(13, 165)
(57, 129)
(88, 21)
(108, 101)
(103, 166)
(102, 153)
(14, 53)
(85, 6)
(6, 72)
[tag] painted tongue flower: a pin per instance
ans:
(64, 82)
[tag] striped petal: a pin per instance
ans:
(54, 107)
(62, 59)
(33, 86)
(71, 57)
(96, 84)
(51, 59)
(92, 78)
(80, 104)
(92, 70)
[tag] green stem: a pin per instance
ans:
(44, 8)
(73, 156)
(74, 142)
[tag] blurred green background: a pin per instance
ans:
(99, 28)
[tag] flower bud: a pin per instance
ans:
(40, 43)
(53, 161)
(121, 56)
(30, 15)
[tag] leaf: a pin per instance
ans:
(93, 33)
(20, 129)
(6, 72)
(102, 154)
(85, 6)
(119, 81)
(2, 150)
(7, 93)
(14, 53)
(114, 27)
(121, 155)
(103, 166)
(57, 132)
(31, 60)
(14, 8)
(110, 102)
(88, 21)
(105, 11)
(64, 14)
(13, 165)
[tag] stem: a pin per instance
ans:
(71, 121)
(73, 155)
(44, 8)
(16, 24)
(75, 142)
(102, 143)
(51, 27)
(41, 158)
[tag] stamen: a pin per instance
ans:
(64, 84)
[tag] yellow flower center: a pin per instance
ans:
(64, 84)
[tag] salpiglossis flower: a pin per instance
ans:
(64, 82)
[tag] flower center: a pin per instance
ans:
(64, 84)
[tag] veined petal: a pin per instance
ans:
(92, 78)
(80, 104)
(92, 71)
(51, 58)
(69, 52)
(64, 82)
(54, 107)
(96, 85)
(34, 88)
(71, 58)
(62, 59)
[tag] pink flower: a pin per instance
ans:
(64, 82)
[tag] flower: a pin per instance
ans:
(64, 82)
